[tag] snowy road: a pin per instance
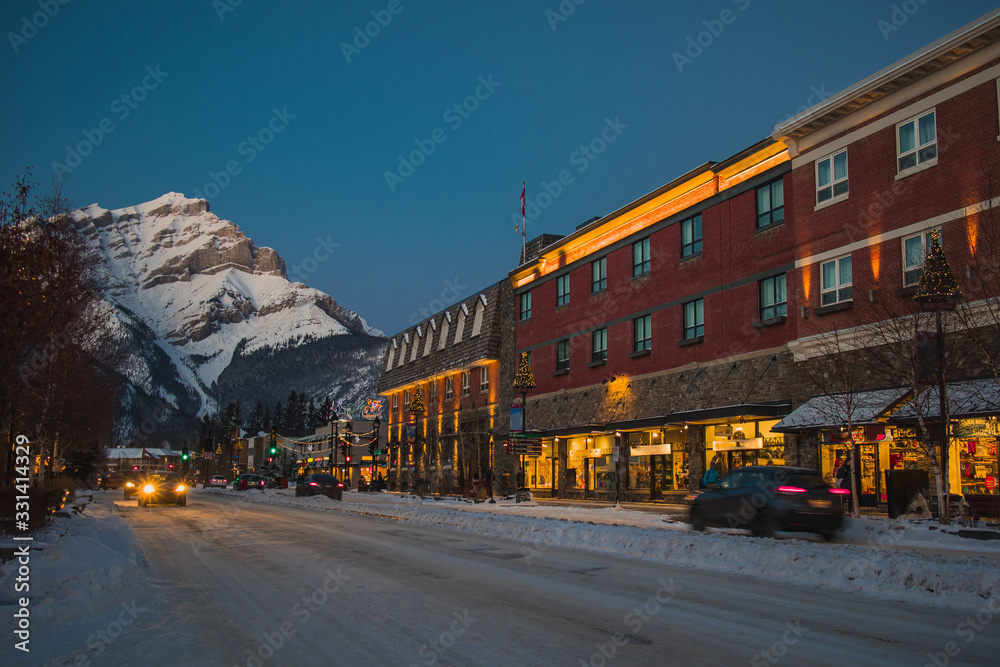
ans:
(248, 584)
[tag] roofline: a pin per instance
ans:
(947, 49)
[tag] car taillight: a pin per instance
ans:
(340, 485)
(841, 492)
(313, 484)
(791, 489)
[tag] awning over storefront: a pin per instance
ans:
(706, 416)
(973, 398)
(837, 410)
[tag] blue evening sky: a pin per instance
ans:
(162, 95)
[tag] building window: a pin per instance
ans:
(562, 290)
(466, 382)
(449, 387)
(916, 141)
(484, 378)
(640, 257)
(642, 333)
(914, 254)
(562, 355)
(771, 203)
(599, 345)
(395, 402)
(694, 319)
(526, 306)
(599, 275)
(837, 284)
(831, 177)
(406, 399)
(773, 300)
(691, 236)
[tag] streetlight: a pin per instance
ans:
(938, 290)
(334, 420)
(417, 409)
(376, 424)
(524, 383)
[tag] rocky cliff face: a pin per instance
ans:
(189, 297)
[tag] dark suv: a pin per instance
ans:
(766, 499)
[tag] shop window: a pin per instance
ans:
(837, 285)
(771, 203)
(916, 142)
(395, 402)
(831, 177)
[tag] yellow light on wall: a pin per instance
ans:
(806, 281)
(972, 232)
(876, 254)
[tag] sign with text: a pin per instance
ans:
(730, 445)
(516, 418)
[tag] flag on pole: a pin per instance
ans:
(522, 199)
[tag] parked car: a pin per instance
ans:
(162, 487)
(766, 499)
(218, 481)
(130, 481)
(252, 481)
(323, 483)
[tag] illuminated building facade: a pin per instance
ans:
(461, 361)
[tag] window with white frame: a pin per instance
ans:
(914, 255)
(562, 290)
(484, 378)
(771, 203)
(916, 141)
(773, 298)
(640, 257)
(449, 387)
(831, 177)
(562, 355)
(599, 275)
(642, 333)
(395, 402)
(599, 345)
(691, 236)
(694, 319)
(526, 306)
(836, 281)
(406, 399)
(466, 382)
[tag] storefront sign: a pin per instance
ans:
(991, 483)
(650, 450)
(730, 445)
(590, 453)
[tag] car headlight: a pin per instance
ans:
(149, 488)
(129, 484)
(180, 488)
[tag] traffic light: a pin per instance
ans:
(345, 452)
(270, 460)
(347, 459)
(272, 450)
(184, 454)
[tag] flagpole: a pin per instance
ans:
(524, 231)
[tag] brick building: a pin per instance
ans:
(461, 361)
(681, 328)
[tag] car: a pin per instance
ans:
(162, 487)
(767, 499)
(219, 481)
(328, 485)
(251, 481)
(113, 480)
(130, 481)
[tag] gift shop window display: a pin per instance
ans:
(978, 456)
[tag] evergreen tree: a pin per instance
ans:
(278, 418)
(312, 415)
(293, 412)
(255, 422)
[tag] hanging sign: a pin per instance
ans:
(991, 482)
(731, 445)
(516, 418)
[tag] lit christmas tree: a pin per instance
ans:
(525, 380)
(417, 404)
(937, 283)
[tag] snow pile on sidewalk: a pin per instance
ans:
(879, 567)
(81, 564)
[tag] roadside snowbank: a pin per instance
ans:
(880, 563)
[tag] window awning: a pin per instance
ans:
(837, 410)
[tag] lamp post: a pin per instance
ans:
(417, 409)
(524, 383)
(938, 290)
(334, 438)
(376, 424)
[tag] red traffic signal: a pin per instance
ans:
(348, 458)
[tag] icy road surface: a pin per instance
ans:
(236, 583)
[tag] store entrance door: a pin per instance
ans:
(870, 481)
(656, 464)
(588, 478)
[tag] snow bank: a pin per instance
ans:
(85, 562)
(880, 562)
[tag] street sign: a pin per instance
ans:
(615, 453)
(208, 455)
(525, 443)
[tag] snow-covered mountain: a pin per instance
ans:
(202, 316)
